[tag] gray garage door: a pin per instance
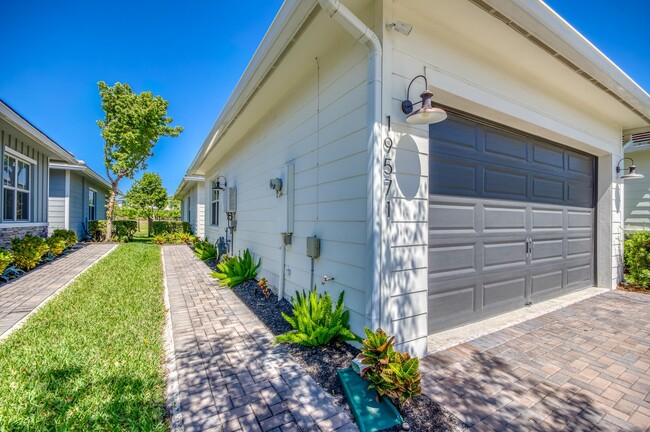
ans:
(510, 221)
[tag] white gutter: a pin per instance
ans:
(367, 37)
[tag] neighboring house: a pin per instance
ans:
(637, 192)
(492, 209)
(26, 154)
(77, 195)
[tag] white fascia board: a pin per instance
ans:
(30, 130)
(287, 21)
(544, 23)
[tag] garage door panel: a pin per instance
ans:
(547, 282)
(503, 255)
(459, 217)
(547, 189)
(506, 145)
(458, 260)
(490, 199)
(508, 290)
(499, 218)
(547, 219)
(545, 250)
(453, 177)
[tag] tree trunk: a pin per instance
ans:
(110, 210)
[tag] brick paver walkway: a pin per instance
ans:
(230, 376)
(584, 367)
(21, 296)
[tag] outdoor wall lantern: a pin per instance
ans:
(632, 174)
(426, 114)
(218, 185)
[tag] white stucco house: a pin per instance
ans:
(512, 199)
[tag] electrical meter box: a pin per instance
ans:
(313, 247)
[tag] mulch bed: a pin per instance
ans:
(321, 363)
(626, 286)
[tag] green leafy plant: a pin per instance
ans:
(167, 227)
(391, 373)
(159, 239)
(69, 236)
(313, 321)
(28, 251)
(637, 258)
(205, 250)
(235, 270)
(56, 245)
(123, 230)
(97, 230)
(6, 258)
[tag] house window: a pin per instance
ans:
(189, 213)
(214, 205)
(16, 189)
(92, 202)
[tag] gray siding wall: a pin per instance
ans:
(56, 209)
(14, 139)
(637, 193)
(77, 203)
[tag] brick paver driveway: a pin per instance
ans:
(21, 296)
(584, 367)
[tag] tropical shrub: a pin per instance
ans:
(390, 372)
(205, 250)
(168, 227)
(97, 229)
(28, 251)
(6, 258)
(313, 321)
(56, 245)
(159, 239)
(123, 230)
(69, 236)
(637, 258)
(235, 270)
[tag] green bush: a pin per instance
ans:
(6, 258)
(69, 236)
(235, 270)
(97, 229)
(391, 373)
(28, 251)
(313, 321)
(123, 230)
(56, 245)
(175, 238)
(637, 258)
(205, 250)
(169, 227)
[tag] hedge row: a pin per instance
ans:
(123, 230)
(170, 227)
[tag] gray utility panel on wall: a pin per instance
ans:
(511, 220)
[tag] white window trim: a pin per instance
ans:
(211, 185)
(94, 204)
(16, 189)
(19, 155)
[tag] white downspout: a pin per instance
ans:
(364, 35)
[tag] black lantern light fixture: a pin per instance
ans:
(426, 114)
(632, 174)
(218, 185)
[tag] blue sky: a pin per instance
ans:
(192, 53)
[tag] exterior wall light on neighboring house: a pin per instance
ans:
(632, 174)
(218, 185)
(426, 114)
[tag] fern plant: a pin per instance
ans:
(314, 322)
(235, 270)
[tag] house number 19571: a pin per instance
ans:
(388, 173)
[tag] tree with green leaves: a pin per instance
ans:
(132, 125)
(147, 194)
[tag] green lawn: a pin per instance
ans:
(91, 359)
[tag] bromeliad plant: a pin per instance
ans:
(313, 321)
(390, 372)
(205, 250)
(235, 270)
